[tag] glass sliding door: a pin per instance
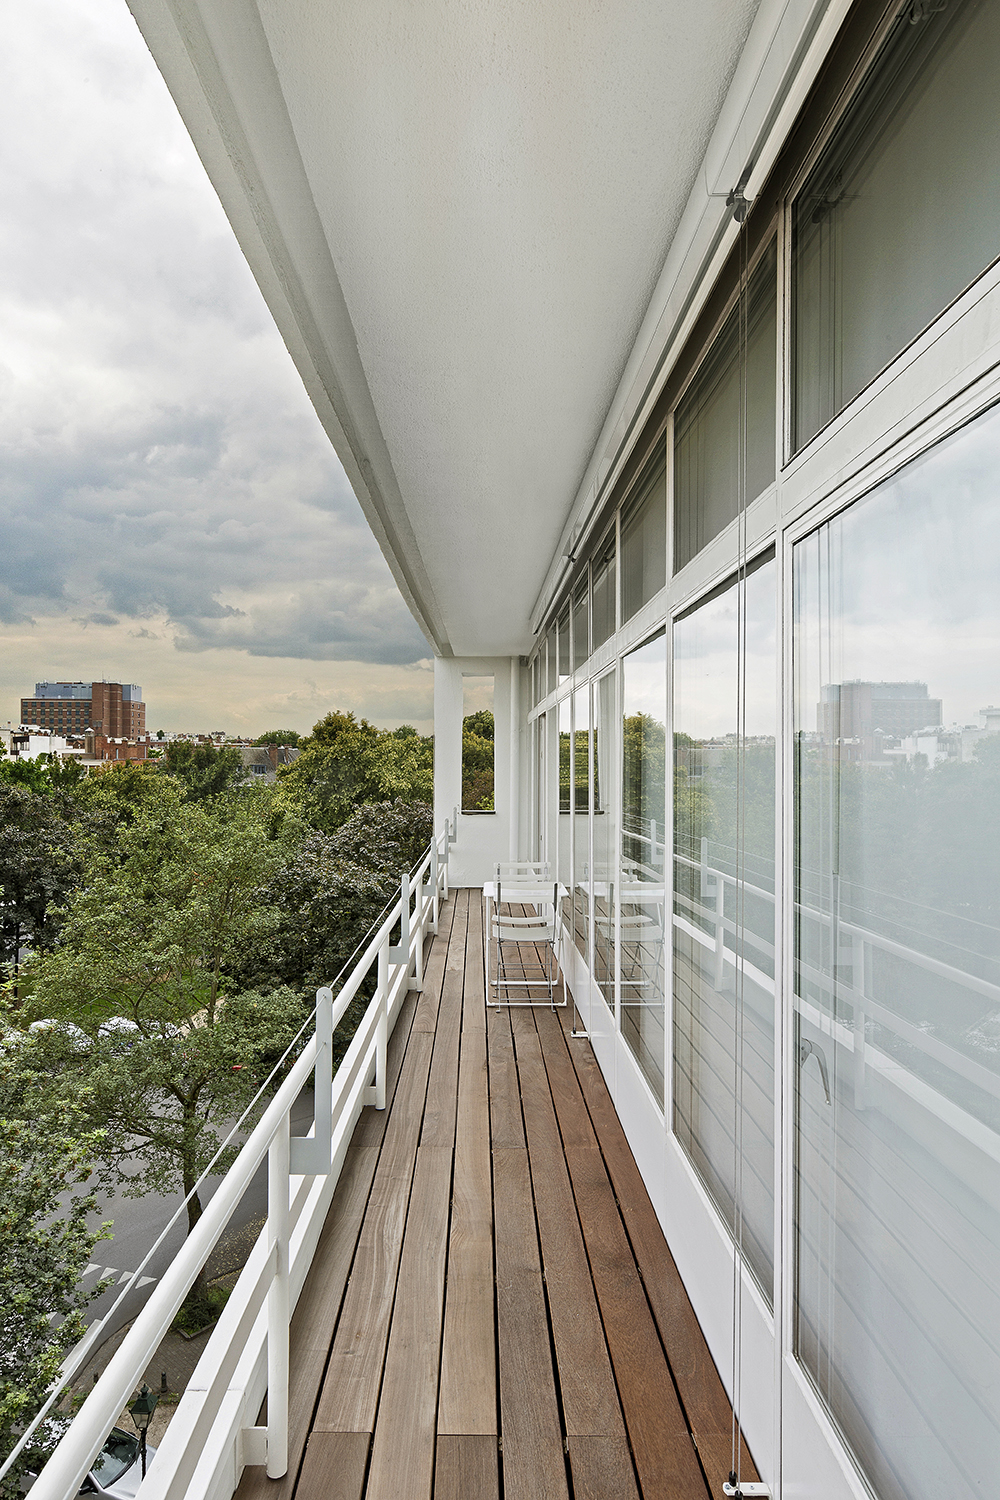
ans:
(564, 825)
(581, 820)
(724, 904)
(897, 970)
(641, 874)
(605, 843)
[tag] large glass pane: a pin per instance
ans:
(733, 393)
(897, 970)
(603, 609)
(605, 844)
(641, 958)
(900, 212)
(564, 867)
(565, 658)
(644, 537)
(724, 916)
(581, 818)
(581, 625)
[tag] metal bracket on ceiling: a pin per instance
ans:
(738, 1491)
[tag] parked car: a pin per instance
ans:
(116, 1471)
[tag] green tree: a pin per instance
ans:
(347, 761)
(41, 859)
(144, 1019)
(46, 1240)
(278, 737)
(203, 770)
(42, 773)
(478, 761)
(333, 889)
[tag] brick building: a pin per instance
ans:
(115, 709)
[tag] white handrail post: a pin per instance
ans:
(434, 885)
(720, 932)
(704, 869)
(382, 1034)
(312, 1154)
(400, 954)
(278, 1303)
(417, 982)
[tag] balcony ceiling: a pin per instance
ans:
(458, 211)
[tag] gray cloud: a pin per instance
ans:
(161, 459)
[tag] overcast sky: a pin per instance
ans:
(173, 514)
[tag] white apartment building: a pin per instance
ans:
(661, 345)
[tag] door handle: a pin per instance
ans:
(809, 1049)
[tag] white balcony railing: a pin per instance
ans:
(213, 1433)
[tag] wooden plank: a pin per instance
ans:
(334, 1467)
(505, 1099)
(370, 1128)
(466, 1469)
(533, 1462)
(319, 1301)
(406, 1116)
(349, 1395)
(442, 1089)
(699, 1385)
(589, 1399)
(452, 920)
(467, 1403)
(402, 1462)
(474, 1006)
(602, 1469)
(559, 1051)
(664, 1453)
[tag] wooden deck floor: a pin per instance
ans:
(493, 1310)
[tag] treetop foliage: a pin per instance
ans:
(278, 737)
(347, 761)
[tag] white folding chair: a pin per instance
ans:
(523, 947)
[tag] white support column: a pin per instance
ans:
(514, 785)
(278, 1303)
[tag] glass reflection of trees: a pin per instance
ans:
(641, 927)
(724, 908)
(897, 980)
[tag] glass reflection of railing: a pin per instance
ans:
(836, 983)
(643, 848)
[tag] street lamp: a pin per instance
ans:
(141, 1412)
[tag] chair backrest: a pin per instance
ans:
(527, 891)
(519, 869)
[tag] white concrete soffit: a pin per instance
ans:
(460, 216)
